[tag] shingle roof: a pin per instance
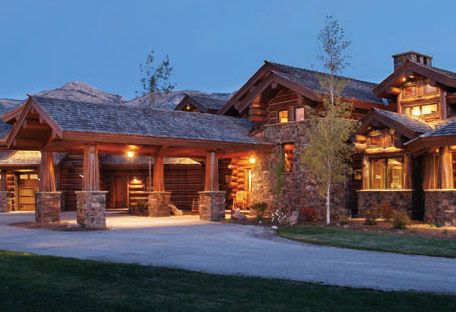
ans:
(413, 124)
(356, 89)
(25, 158)
(144, 160)
(100, 118)
(444, 130)
(209, 102)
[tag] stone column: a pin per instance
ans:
(48, 200)
(47, 207)
(159, 204)
(211, 205)
(91, 209)
(4, 201)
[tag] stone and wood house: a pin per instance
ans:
(203, 152)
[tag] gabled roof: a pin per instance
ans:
(203, 103)
(408, 126)
(65, 116)
(303, 81)
(441, 76)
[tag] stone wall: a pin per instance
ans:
(211, 205)
(377, 199)
(4, 201)
(440, 207)
(91, 209)
(47, 207)
(300, 189)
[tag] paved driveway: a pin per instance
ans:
(187, 243)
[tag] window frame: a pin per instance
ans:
(385, 172)
(279, 118)
(288, 163)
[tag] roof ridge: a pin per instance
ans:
(319, 72)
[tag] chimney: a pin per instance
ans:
(412, 56)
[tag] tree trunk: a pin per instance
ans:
(328, 203)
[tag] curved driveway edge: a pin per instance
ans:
(186, 243)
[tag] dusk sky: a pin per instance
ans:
(213, 45)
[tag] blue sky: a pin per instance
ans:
(214, 45)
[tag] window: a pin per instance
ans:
(288, 155)
(299, 114)
(386, 173)
(283, 116)
(428, 89)
(410, 91)
(422, 110)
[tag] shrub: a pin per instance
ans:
(308, 214)
(259, 208)
(280, 217)
(400, 219)
(386, 212)
(371, 216)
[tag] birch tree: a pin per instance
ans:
(327, 153)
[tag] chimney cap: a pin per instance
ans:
(412, 52)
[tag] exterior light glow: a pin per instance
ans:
(130, 154)
(416, 111)
(404, 79)
(252, 159)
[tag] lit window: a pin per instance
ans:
(386, 173)
(375, 138)
(428, 89)
(421, 110)
(415, 111)
(429, 109)
(299, 114)
(410, 91)
(283, 116)
(288, 155)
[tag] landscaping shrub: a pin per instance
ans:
(400, 219)
(371, 216)
(308, 214)
(259, 208)
(386, 212)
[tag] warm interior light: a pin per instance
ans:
(416, 111)
(130, 154)
(411, 76)
(252, 159)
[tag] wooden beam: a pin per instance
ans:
(407, 175)
(91, 169)
(47, 172)
(3, 181)
(159, 176)
(365, 169)
(211, 175)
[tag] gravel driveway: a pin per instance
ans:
(187, 243)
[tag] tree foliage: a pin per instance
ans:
(156, 77)
(327, 153)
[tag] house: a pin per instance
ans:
(207, 150)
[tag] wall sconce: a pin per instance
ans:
(130, 154)
(252, 159)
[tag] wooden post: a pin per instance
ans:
(211, 177)
(446, 168)
(91, 169)
(365, 168)
(429, 182)
(3, 181)
(407, 171)
(159, 175)
(443, 104)
(47, 172)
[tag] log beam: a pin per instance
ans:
(211, 175)
(159, 176)
(47, 172)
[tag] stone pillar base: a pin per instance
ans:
(211, 205)
(4, 202)
(91, 209)
(440, 207)
(159, 204)
(47, 207)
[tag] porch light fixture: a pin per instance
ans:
(404, 79)
(252, 159)
(130, 154)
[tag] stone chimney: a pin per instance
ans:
(413, 56)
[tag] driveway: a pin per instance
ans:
(187, 243)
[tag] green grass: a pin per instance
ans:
(40, 283)
(389, 242)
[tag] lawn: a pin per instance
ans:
(381, 241)
(41, 283)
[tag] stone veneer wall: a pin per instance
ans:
(440, 207)
(376, 199)
(4, 201)
(300, 189)
(211, 205)
(91, 209)
(159, 204)
(47, 207)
